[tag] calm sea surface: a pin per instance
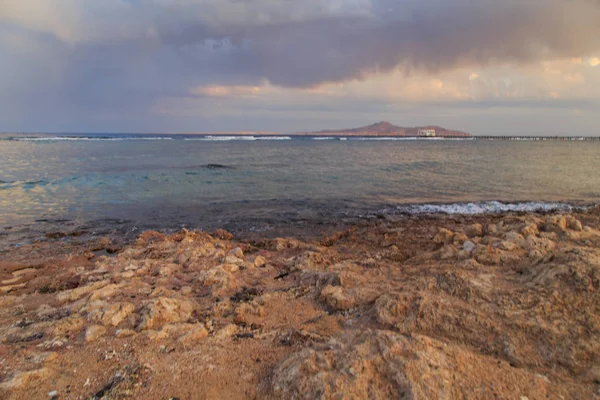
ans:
(171, 182)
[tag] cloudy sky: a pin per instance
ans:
(484, 66)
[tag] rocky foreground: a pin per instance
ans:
(495, 307)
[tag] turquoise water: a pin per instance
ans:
(168, 179)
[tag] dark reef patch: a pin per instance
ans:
(216, 166)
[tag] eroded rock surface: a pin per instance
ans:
(415, 308)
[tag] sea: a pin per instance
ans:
(103, 183)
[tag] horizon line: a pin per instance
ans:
(271, 133)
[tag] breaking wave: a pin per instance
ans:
(487, 207)
(412, 138)
(82, 138)
(274, 138)
(230, 138)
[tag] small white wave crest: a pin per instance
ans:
(324, 138)
(230, 138)
(396, 138)
(274, 138)
(487, 207)
(85, 138)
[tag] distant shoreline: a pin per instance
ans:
(351, 136)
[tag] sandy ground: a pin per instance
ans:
(489, 307)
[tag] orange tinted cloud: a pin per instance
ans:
(226, 91)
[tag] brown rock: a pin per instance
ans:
(474, 230)
(498, 326)
(186, 290)
(227, 332)
(156, 335)
(223, 234)
(148, 237)
(507, 245)
(336, 298)
(177, 330)
(231, 259)
(117, 313)
(549, 235)
(128, 274)
(308, 260)
(384, 365)
(68, 326)
(124, 333)
(196, 334)
(245, 313)
(220, 279)
(459, 239)
(463, 255)
(49, 357)
(395, 310)
(259, 261)
(162, 291)
(514, 237)
(236, 252)
(444, 236)
(80, 292)
(556, 224)
(487, 255)
(530, 230)
(232, 268)
(540, 244)
(492, 229)
(74, 282)
(224, 308)
(94, 332)
(168, 269)
(574, 224)
(448, 252)
(282, 244)
(106, 291)
(164, 311)
(26, 379)
(395, 254)
(318, 280)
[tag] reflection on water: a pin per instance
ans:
(123, 178)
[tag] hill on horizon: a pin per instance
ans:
(385, 128)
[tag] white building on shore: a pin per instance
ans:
(427, 132)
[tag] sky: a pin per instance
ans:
(482, 66)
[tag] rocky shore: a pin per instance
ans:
(479, 307)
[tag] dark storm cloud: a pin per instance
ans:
(115, 59)
(411, 35)
(306, 43)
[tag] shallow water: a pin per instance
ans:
(168, 180)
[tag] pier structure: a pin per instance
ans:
(540, 138)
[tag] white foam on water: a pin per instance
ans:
(274, 138)
(411, 138)
(86, 139)
(222, 138)
(393, 138)
(488, 207)
(230, 138)
(324, 138)
(536, 138)
(361, 138)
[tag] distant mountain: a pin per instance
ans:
(385, 128)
